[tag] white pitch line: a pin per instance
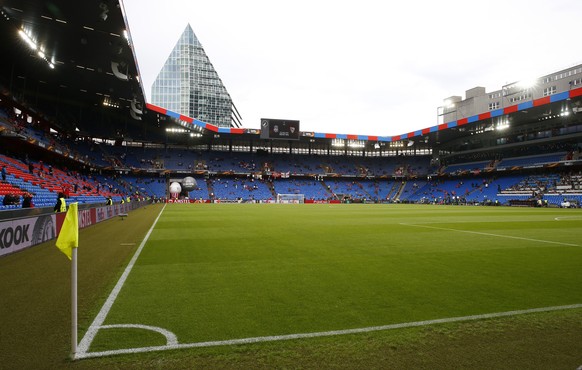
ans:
(463, 222)
(568, 218)
(325, 333)
(171, 338)
(490, 234)
(98, 322)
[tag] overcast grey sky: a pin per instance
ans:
(365, 67)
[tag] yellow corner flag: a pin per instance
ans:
(69, 235)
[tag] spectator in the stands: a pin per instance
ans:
(27, 201)
(4, 173)
(11, 199)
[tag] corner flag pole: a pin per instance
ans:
(74, 303)
(67, 242)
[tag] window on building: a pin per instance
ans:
(494, 105)
(520, 98)
(550, 90)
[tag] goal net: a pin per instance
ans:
(290, 198)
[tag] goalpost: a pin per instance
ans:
(290, 198)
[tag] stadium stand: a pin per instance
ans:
(93, 153)
(532, 161)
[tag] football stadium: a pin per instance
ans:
(165, 234)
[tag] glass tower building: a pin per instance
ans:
(189, 85)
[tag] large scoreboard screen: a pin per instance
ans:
(283, 129)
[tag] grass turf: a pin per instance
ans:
(235, 271)
(35, 290)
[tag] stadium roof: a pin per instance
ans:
(73, 60)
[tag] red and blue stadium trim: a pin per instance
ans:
(476, 118)
(194, 122)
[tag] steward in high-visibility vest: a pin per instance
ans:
(61, 205)
(128, 199)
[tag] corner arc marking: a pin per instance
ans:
(171, 338)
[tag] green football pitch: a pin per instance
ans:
(211, 274)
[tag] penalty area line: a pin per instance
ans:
(490, 234)
(100, 318)
(326, 333)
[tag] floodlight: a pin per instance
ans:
(356, 144)
(27, 39)
(527, 83)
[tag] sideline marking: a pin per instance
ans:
(568, 218)
(490, 234)
(324, 333)
(83, 346)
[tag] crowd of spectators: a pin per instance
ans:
(21, 121)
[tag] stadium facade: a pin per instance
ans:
(189, 84)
